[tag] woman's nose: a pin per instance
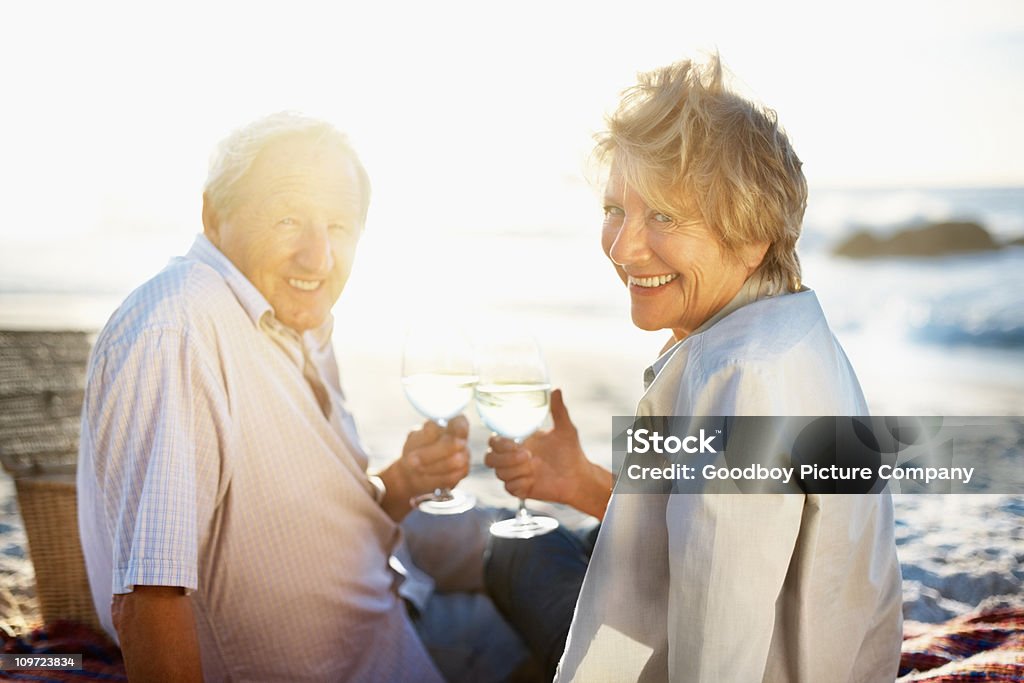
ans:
(630, 244)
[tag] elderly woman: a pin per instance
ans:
(703, 208)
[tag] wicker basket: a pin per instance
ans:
(41, 380)
(49, 510)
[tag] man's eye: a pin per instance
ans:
(337, 227)
(287, 221)
(613, 211)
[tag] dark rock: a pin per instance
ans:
(935, 239)
(860, 245)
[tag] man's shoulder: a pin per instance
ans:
(186, 297)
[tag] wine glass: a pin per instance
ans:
(512, 397)
(438, 378)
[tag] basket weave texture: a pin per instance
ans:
(42, 375)
(49, 511)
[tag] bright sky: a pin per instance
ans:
(475, 113)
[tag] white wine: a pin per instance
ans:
(439, 396)
(514, 409)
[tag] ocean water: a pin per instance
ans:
(973, 300)
(927, 336)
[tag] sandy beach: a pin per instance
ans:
(957, 551)
(19, 609)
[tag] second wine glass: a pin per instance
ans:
(512, 397)
(438, 376)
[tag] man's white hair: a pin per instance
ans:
(235, 154)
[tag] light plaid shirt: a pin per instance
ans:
(207, 463)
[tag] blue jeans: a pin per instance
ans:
(466, 636)
(534, 583)
(468, 639)
(501, 608)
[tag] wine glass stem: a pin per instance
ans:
(522, 514)
(442, 493)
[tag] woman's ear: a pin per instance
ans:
(752, 254)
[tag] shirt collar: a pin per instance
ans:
(319, 339)
(254, 303)
(753, 289)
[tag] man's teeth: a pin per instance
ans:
(656, 281)
(305, 285)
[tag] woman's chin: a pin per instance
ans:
(646, 324)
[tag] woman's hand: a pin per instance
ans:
(432, 458)
(552, 466)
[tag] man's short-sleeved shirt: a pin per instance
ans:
(206, 462)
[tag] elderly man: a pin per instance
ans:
(230, 528)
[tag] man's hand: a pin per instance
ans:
(432, 458)
(158, 635)
(551, 466)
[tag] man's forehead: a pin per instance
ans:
(302, 165)
(298, 152)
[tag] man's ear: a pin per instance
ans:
(211, 221)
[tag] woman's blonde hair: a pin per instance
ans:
(687, 144)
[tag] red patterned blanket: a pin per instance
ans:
(986, 645)
(101, 658)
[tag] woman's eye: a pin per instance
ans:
(287, 221)
(337, 227)
(610, 211)
(662, 218)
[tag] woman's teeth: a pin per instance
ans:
(304, 285)
(656, 281)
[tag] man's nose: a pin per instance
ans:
(630, 245)
(315, 253)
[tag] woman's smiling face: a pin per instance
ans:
(678, 272)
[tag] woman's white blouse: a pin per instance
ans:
(744, 587)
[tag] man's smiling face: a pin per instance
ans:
(293, 226)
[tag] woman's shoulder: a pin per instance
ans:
(775, 356)
(765, 331)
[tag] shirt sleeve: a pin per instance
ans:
(156, 418)
(728, 553)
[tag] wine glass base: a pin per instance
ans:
(452, 503)
(524, 528)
